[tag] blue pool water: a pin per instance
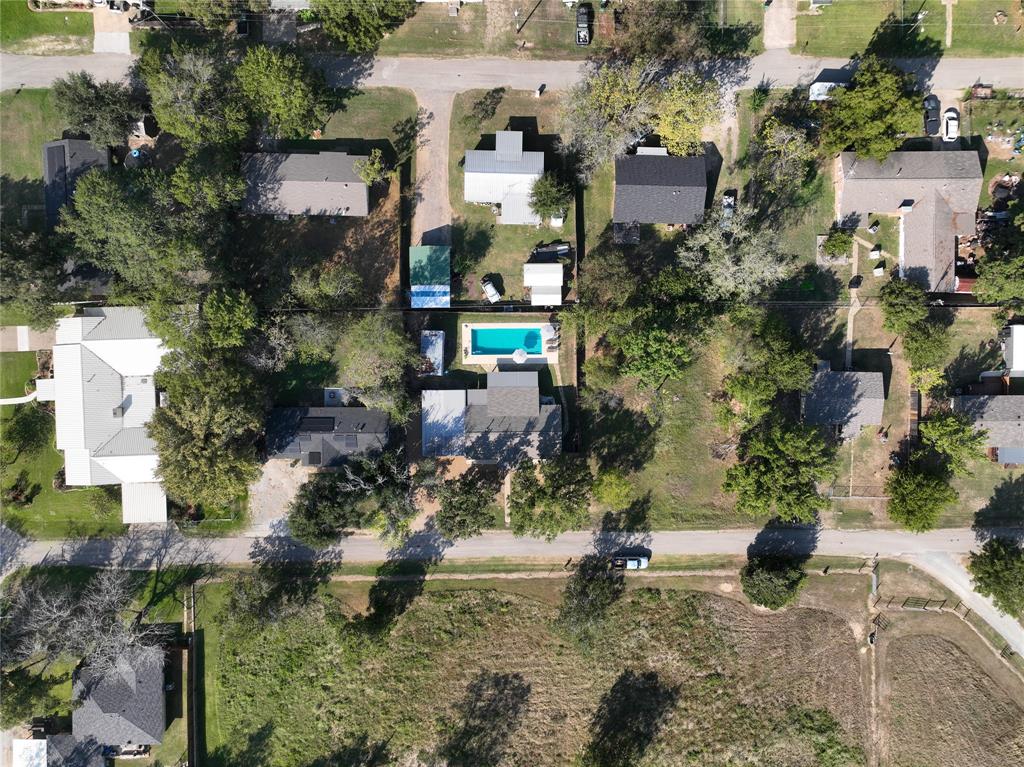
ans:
(505, 340)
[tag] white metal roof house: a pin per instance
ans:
(104, 394)
(504, 176)
(544, 282)
(1013, 352)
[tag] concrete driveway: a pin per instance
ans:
(780, 25)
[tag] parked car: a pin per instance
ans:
(490, 291)
(931, 114)
(630, 563)
(584, 16)
(950, 125)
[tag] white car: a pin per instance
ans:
(950, 125)
(490, 291)
(630, 563)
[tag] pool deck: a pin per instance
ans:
(492, 362)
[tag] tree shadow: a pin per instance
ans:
(780, 542)
(968, 365)
(621, 438)
(13, 540)
(590, 592)
(896, 36)
(360, 752)
(628, 719)
(477, 732)
(1003, 515)
(253, 751)
(401, 578)
(817, 330)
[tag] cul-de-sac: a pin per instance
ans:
(511, 383)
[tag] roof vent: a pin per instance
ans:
(118, 412)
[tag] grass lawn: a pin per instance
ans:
(29, 121)
(479, 673)
(974, 34)
(43, 33)
(844, 28)
(51, 514)
(486, 247)
(376, 114)
(431, 31)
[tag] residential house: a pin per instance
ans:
(934, 195)
(430, 276)
(843, 400)
(501, 424)
(1002, 418)
(104, 395)
(504, 176)
(64, 162)
(123, 707)
(325, 436)
(652, 187)
(315, 184)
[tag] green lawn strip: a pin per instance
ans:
(975, 34)
(497, 250)
(50, 32)
(17, 370)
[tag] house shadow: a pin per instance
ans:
(1003, 515)
(968, 365)
(713, 164)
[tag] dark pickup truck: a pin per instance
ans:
(584, 16)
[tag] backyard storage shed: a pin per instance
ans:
(504, 176)
(64, 162)
(317, 184)
(544, 282)
(844, 400)
(654, 188)
(430, 276)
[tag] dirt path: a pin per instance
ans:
(780, 25)
(432, 214)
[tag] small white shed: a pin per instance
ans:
(544, 282)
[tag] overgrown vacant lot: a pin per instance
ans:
(473, 677)
(979, 722)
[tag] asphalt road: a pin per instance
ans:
(940, 553)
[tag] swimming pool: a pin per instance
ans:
(505, 340)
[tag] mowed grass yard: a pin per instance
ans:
(478, 240)
(51, 514)
(478, 673)
(43, 33)
(29, 120)
(846, 28)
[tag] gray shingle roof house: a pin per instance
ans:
(659, 189)
(65, 750)
(500, 424)
(935, 194)
(325, 436)
(1002, 416)
(318, 184)
(64, 162)
(844, 400)
(123, 707)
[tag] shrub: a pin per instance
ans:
(838, 243)
(772, 582)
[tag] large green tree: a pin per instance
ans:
(779, 467)
(1001, 275)
(917, 497)
(555, 501)
(325, 507)
(782, 157)
(465, 505)
(589, 594)
(361, 25)
(874, 113)
(32, 276)
(373, 357)
(686, 105)
(194, 94)
(953, 438)
(550, 196)
(737, 261)
(103, 110)
(998, 571)
(904, 305)
(281, 88)
(772, 582)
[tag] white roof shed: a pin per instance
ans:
(1013, 351)
(545, 283)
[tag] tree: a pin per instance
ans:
(904, 305)
(779, 467)
(373, 357)
(657, 30)
(614, 489)
(373, 169)
(206, 435)
(610, 109)
(782, 157)
(838, 244)
(589, 593)
(465, 505)
(772, 582)
(550, 196)
(229, 316)
(686, 105)
(206, 182)
(217, 14)
(926, 345)
(325, 507)
(127, 223)
(359, 25)
(280, 87)
(326, 286)
(556, 501)
(874, 113)
(736, 261)
(194, 95)
(103, 110)
(32, 276)
(653, 355)
(917, 498)
(998, 571)
(1001, 276)
(954, 439)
